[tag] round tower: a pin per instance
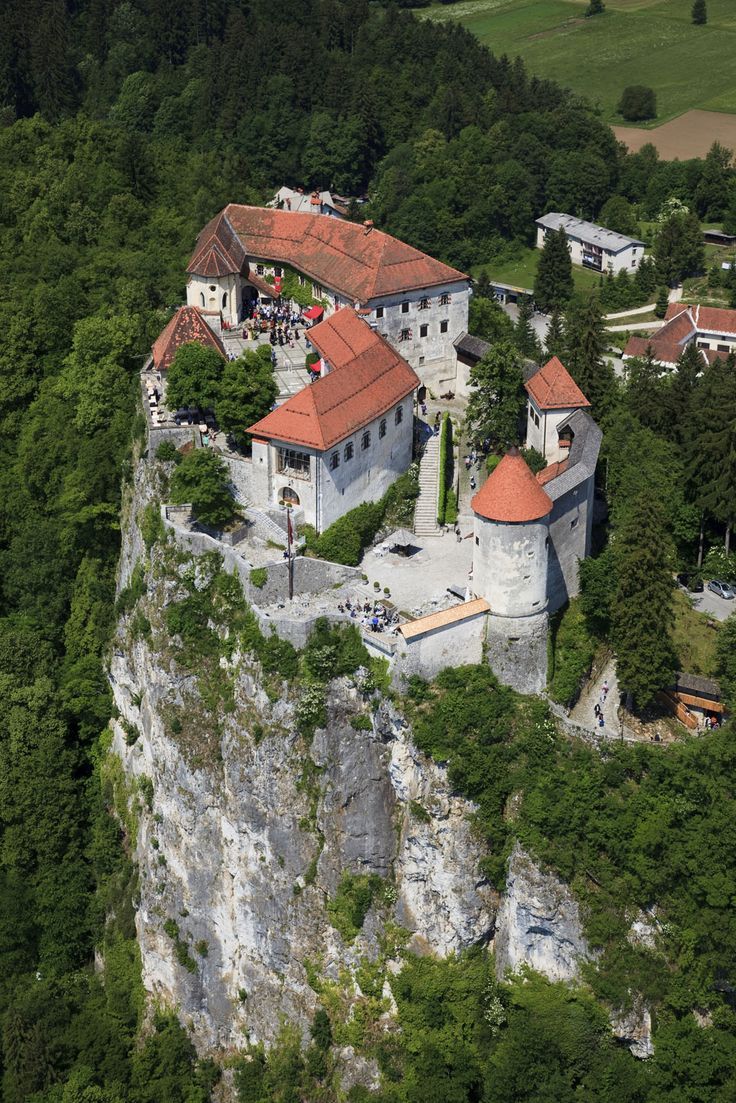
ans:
(511, 512)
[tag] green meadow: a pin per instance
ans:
(649, 42)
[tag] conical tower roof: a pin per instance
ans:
(511, 493)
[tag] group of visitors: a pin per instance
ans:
(281, 322)
(598, 707)
(374, 616)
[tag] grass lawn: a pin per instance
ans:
(695, 642)
(522, 270)
(649, 42)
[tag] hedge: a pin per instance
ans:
(445, 474)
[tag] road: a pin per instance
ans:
(713, 605)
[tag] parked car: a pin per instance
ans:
(723, 589)
(691, 582)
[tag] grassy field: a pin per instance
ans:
(695, 642)
(649, 42)
(522, 271)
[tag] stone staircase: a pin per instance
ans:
(268, 529)
(425, 511)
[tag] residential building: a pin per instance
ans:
(315, 202)
(592, 246)
(419, 304)
(343, 439)
(712, 328)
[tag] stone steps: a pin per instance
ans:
(425, 511)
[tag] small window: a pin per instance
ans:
(703, 344)
(421, 360)
(334, 461)
(365, 440)
(349, 451)
(477, 540)
(277, 271)
(723, 348)
(382, 429)
(259, 269)
(424, 304)
(379, 311)
(405, 335)
(224, 299)
(201, 296)
(423, 331)
(212, 287)
(399, 415)
(445, 299)
(443, 327)
(404, 308)
(574, 523)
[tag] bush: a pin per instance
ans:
(151, 525)
(203, 480)
(333, 651)
(355, 894)
(345, 540)
(637, 102)
(572, 651)
(445, 468)
(259, 577)
(168, 452)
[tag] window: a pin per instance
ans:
(399, 415)
(334, 461)
(382, 429)
(477, 540)
(443, 327)
(302, 281)
(201, 296)
(259, 269)
(293, 462)
(445, 298)
(405, 335)
(703, 344)
(423, 330)
(365, 440)
(224, 299)
(404, 308)
(723, 348)
(574, 523)
(349, 451)
(277, 271)
(379, 311)
(424, 304)
(212, 287)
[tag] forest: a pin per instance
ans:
(125, 126)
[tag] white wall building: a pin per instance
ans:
(592, 246)
(343, 439)
(419, 304)
(315, 202)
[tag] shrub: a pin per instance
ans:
(345, 540)
(637, 102)
(130, 594)
(355, 894)
(332, 651)
(445, 468)
(572, 654)
(259, 577)
(534, 459)
(204, 480)
(151, 525)
(168, 452)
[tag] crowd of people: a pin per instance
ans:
(373, 616)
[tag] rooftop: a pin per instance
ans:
(187, 325)
(343, 401)
(705, 319)
(447, 616)
(357, 260)
(297, 199)
(553, 388)
(587, 231)
(511, 493)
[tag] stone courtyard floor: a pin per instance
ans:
(419, 582)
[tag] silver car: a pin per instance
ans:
(723, 589)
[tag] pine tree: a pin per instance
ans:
(708, 443)
(585, 344)
(648, 393)
(554, 341)
(595, 7)
(689, 367)
(699, 13)
(642, 614)
(553, 286)
(663, 299)
(525, 338)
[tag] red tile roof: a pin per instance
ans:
(187, 325)
(551, 471)
(682, 324)
(706, 319)
(553, 388)
(511, 493)
(343, 256)
(367, 379)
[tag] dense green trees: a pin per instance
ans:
(637, 102)
(194, 377)
(202, 479)
(678, 247)
(496, 396)
(584, 345)
(246, 392)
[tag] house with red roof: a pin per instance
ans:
(187, 325)
(552, 396)
(343, 439)
(419, 304)
(711, 328)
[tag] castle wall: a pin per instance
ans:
(570, 532)
(207, 293)
(457, 644)
(542, 433)
(516, 650)
(510, 566)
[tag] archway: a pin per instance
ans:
(288, 497)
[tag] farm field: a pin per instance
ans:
(689, 135)
(649, 42)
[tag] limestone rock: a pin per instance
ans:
(634, 1027)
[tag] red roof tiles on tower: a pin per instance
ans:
(511, 493)
(367, 379)
(187, 325)
(359, 261)
(553, 388)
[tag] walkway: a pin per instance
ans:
(425, 511)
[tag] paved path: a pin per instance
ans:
(583, 712)
(634, 325)
(626, 313)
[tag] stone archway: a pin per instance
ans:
(288, 496)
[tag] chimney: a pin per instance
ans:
(368, 224)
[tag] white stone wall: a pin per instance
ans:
(510, 566)
(541, 430)
(200, 293)
(457, 644)
(429, 353)
(570, 532)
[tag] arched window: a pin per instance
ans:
(399, 416)
(224, 299)
(289, 497)
(201, 295)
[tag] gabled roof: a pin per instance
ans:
(357, 260)
(367, 379)
(553, 388)
(551, 471)
(705, 319)
(511, 493)
(587, 231)
(219, 251)
(683, 323)
(187, 325)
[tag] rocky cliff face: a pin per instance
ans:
(244, 830)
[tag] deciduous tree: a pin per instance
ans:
(195, 377)
(247, 391)
(202, 479)
(497, 395)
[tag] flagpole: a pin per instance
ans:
(291, 562)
